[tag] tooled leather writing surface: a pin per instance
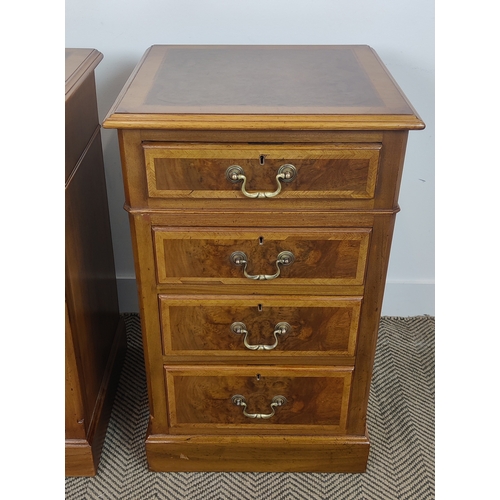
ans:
(262, 80)
(269, 78)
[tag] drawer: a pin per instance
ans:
(224, 399)
(277, 257)
(259, 326)
(336, 171)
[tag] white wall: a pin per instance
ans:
(402, 33)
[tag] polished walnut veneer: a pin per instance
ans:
(262, 186)
(95, 333)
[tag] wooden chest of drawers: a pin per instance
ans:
(95, 332)
(262, 187)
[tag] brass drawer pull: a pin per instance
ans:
(286, 173)
(239, 400)
(280, 329)
(240, 259)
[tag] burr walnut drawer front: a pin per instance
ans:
(342, 171)
(226, 399)
(259, 326)
(277, 257)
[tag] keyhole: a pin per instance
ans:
(262, 159)
(261, 240)
(259, 307)
(258, 376)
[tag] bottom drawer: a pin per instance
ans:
(268, 399)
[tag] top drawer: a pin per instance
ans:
(232, 171)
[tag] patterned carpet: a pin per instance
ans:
(400, 424)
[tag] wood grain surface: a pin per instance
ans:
(200, 398)
(323, 171)
(334, 257)
(201, 325)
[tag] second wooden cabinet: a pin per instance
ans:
(95, 332)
